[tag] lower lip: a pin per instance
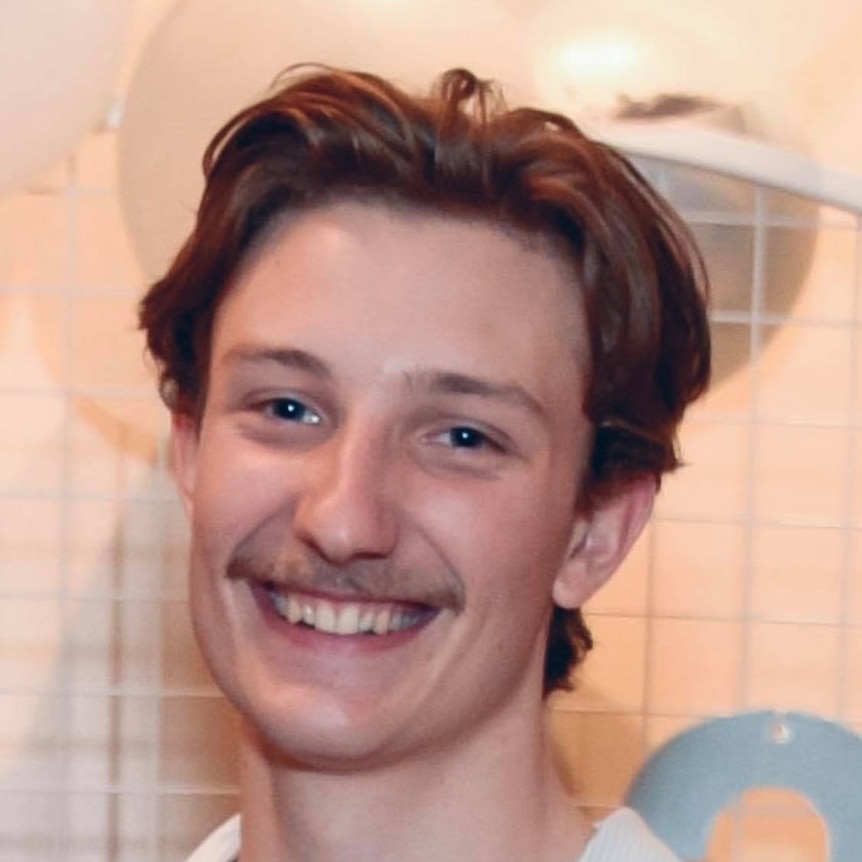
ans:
(311, 638)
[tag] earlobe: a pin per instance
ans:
(601, 540)
(183, 454)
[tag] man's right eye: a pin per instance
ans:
(465, 437)
(292, 410)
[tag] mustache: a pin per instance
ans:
(373, 580)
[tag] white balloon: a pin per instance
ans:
(58, 63)
(211, 57)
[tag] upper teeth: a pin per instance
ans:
(343, 618)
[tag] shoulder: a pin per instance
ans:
(221, 845)
(624, 837)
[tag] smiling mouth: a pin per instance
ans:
(346, 618)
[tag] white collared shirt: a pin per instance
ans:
(620, 837)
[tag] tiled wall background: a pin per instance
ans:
(104, 710)
(746, 592)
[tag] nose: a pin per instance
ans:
(346, 511)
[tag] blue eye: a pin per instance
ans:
(467, 438)
(293, 411)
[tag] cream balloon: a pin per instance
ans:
(213, 56)
(59, 60)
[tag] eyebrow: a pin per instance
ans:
(452, 383)
(289, 357)
(430, 380)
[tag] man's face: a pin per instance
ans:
(383, 485)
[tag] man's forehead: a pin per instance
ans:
(540, 240)
(408, 270)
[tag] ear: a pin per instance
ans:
(184, 441)
(600, 541)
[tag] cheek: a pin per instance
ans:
(507, 552)
(504, 538)
(233, 495)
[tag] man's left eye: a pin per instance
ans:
(293, 410)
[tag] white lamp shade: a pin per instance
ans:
(586, 54)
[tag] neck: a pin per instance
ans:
(498, 794)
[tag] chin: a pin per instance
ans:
(300, 730)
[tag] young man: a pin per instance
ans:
(425, 359)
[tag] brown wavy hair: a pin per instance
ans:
(324, 135)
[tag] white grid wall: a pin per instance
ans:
(107, 719)
(745, 592)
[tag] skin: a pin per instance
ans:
(393, 420)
